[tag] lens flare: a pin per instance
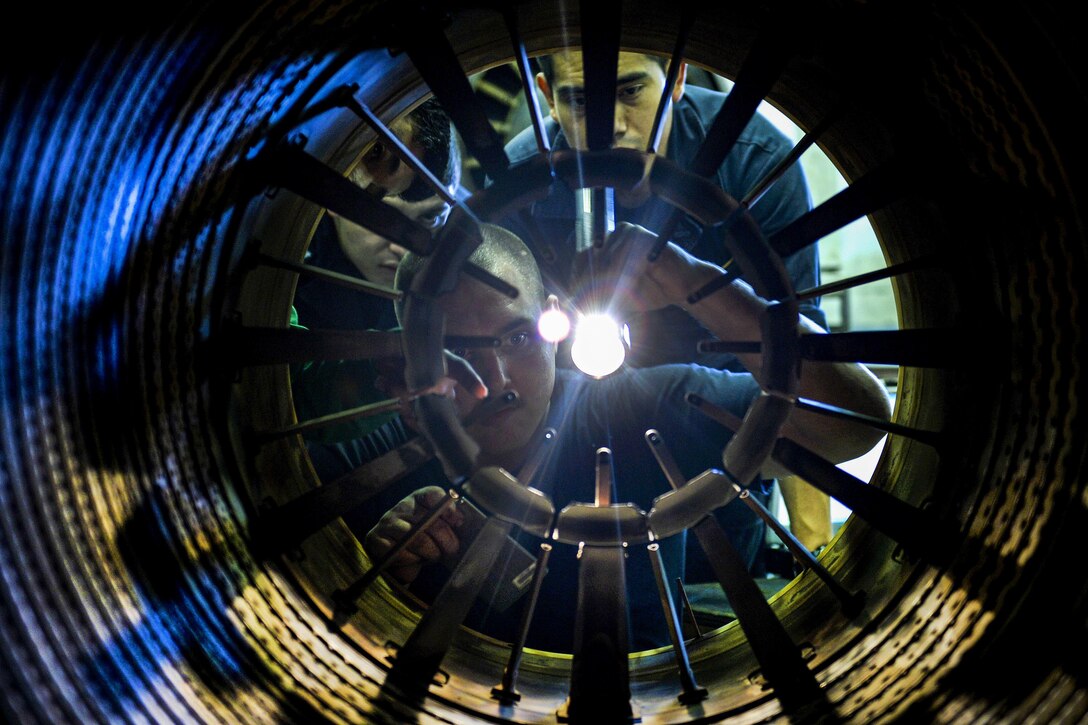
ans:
(598, 348)
(553, 325)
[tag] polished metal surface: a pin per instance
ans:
(131, 478)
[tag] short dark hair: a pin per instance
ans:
(433, 131)
(498, 246)
(428, 126)
(547, 65)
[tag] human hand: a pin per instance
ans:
(390, 381)
(620, 272)
(438, 540)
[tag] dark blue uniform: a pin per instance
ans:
(588, 414)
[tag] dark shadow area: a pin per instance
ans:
(184, 616)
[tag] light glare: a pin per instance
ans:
(598, 348)
(553, 326)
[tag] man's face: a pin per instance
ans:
(639, 83)
(376, 257)
(383, 174)
(523, 363)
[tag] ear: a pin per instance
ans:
(542, 84)
(681, 78)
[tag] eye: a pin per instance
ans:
(630, 93)
(519, 339)
(577, 101)
(378, 152)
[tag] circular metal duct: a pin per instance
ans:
(145, 167)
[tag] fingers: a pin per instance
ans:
(629, 239)
(428, 497)
(438, 540)
(624, 241)
(466, 376)
(444, 387)
(390, 379)
(620, 264)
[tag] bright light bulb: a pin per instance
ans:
(598, 348)
(553, 325)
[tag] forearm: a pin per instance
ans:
(736, 313)
(809, 511)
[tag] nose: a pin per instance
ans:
(619, 122)
(397, 249)
(492, 369)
